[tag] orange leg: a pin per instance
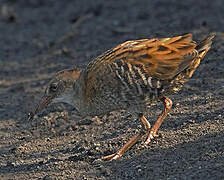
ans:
(153, 132)
(145, 129)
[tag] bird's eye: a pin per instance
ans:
(53, 87)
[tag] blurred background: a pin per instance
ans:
(41, 37)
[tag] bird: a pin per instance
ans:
(130, 76)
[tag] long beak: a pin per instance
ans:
(43, 103)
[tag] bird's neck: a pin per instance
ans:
(78, 93)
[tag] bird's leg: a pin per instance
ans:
(145, 129)
(153, 132)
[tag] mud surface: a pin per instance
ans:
(39, 38)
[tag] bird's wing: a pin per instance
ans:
(158, 58)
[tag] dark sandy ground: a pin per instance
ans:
(41, 37)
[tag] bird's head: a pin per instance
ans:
(59, 89)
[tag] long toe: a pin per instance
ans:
(111, 157)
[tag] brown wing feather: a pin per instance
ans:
(155, 54)
(161, 58)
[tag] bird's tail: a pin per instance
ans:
(204, 46)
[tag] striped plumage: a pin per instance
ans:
(130, 76)
(139, 72)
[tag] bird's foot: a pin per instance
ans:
(152, 135)
(111, 157)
